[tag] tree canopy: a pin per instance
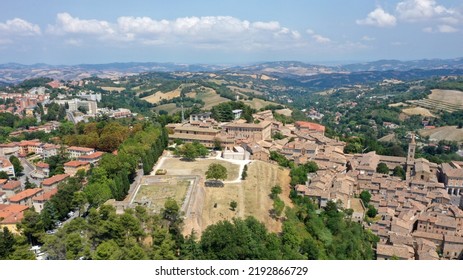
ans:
(216, 171)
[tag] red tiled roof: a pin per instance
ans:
(7, 210)
(13, 218)
(55, 179)
(95, 155)
(46, 196)
(25, 194)
(80, 149)
(75, 163)
(3, 181)
(42, 165)
(11, 185)
(311, 126)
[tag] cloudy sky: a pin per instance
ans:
(228, 31)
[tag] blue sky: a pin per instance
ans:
(225, 31)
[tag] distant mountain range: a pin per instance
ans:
(12, 73)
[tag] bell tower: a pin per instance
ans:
(411, 155)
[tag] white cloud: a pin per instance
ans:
(201, 32)
(368, 38)
(379, 18)
(414, 10)
(65, 24)
(320, 39)
(317, 37)
(19, 27)
(446, 29)
(441, 29)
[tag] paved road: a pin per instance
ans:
(28, 168)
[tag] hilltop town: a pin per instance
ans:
(70, 148)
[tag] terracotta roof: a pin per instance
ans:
(261, 125)
(46, 196)
(13, 218)
(42, 165)
(80, 149)
(401, 251)
(55, 179)
(11, 185)
(25, 194)
(75, 163)
(7, 210)
(94, 155)
(311, 126)
(3, 181)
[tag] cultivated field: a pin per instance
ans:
(210, 98)
(418, 111)
(441, 100)
(285, 112)
(175, 166)
(451, 133)
(156, 191)
(158, 96)
(252, 196)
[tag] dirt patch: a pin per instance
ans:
(285, 112)
(252, 196)
(451, 133)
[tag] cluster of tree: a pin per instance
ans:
(299, 173)
(382, 168)
(125, 99)
(191, 151)
(14, 247)
(35, 82)
(278, 204)
(365, 196)
(55, 112)
(56, 163)
(223, 111)
(103, 135)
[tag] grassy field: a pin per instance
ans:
(449, 96)
(252, 196)
(171, 108)
(210, 98)
(258, 104)
(451, 133)
(118, 89)
(175, 166)
(441, 100)
(158, 96)
(158, 192)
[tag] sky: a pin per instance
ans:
(228, 31)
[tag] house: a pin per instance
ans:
(7, 166)
(71, 167)
(257, 152)
(75, 152)
(250, 131)
(49, 150)
(53, 182)
(91, 158)
(10, 149)
(237, 152)
(25, 197)
(11, 188)
(309, 127)
(39, 201)
(400, 252)
(237, 113)
(11, 215)
(43, 169)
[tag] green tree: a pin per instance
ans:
(365, 196)
(233, 205)
(382, 168)
(18, 168)
(7, 242)
(3, 175)
(399, 172)
(28, 184)
(278, 207)
(371, 212)
(275, 191)
(216, 171)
